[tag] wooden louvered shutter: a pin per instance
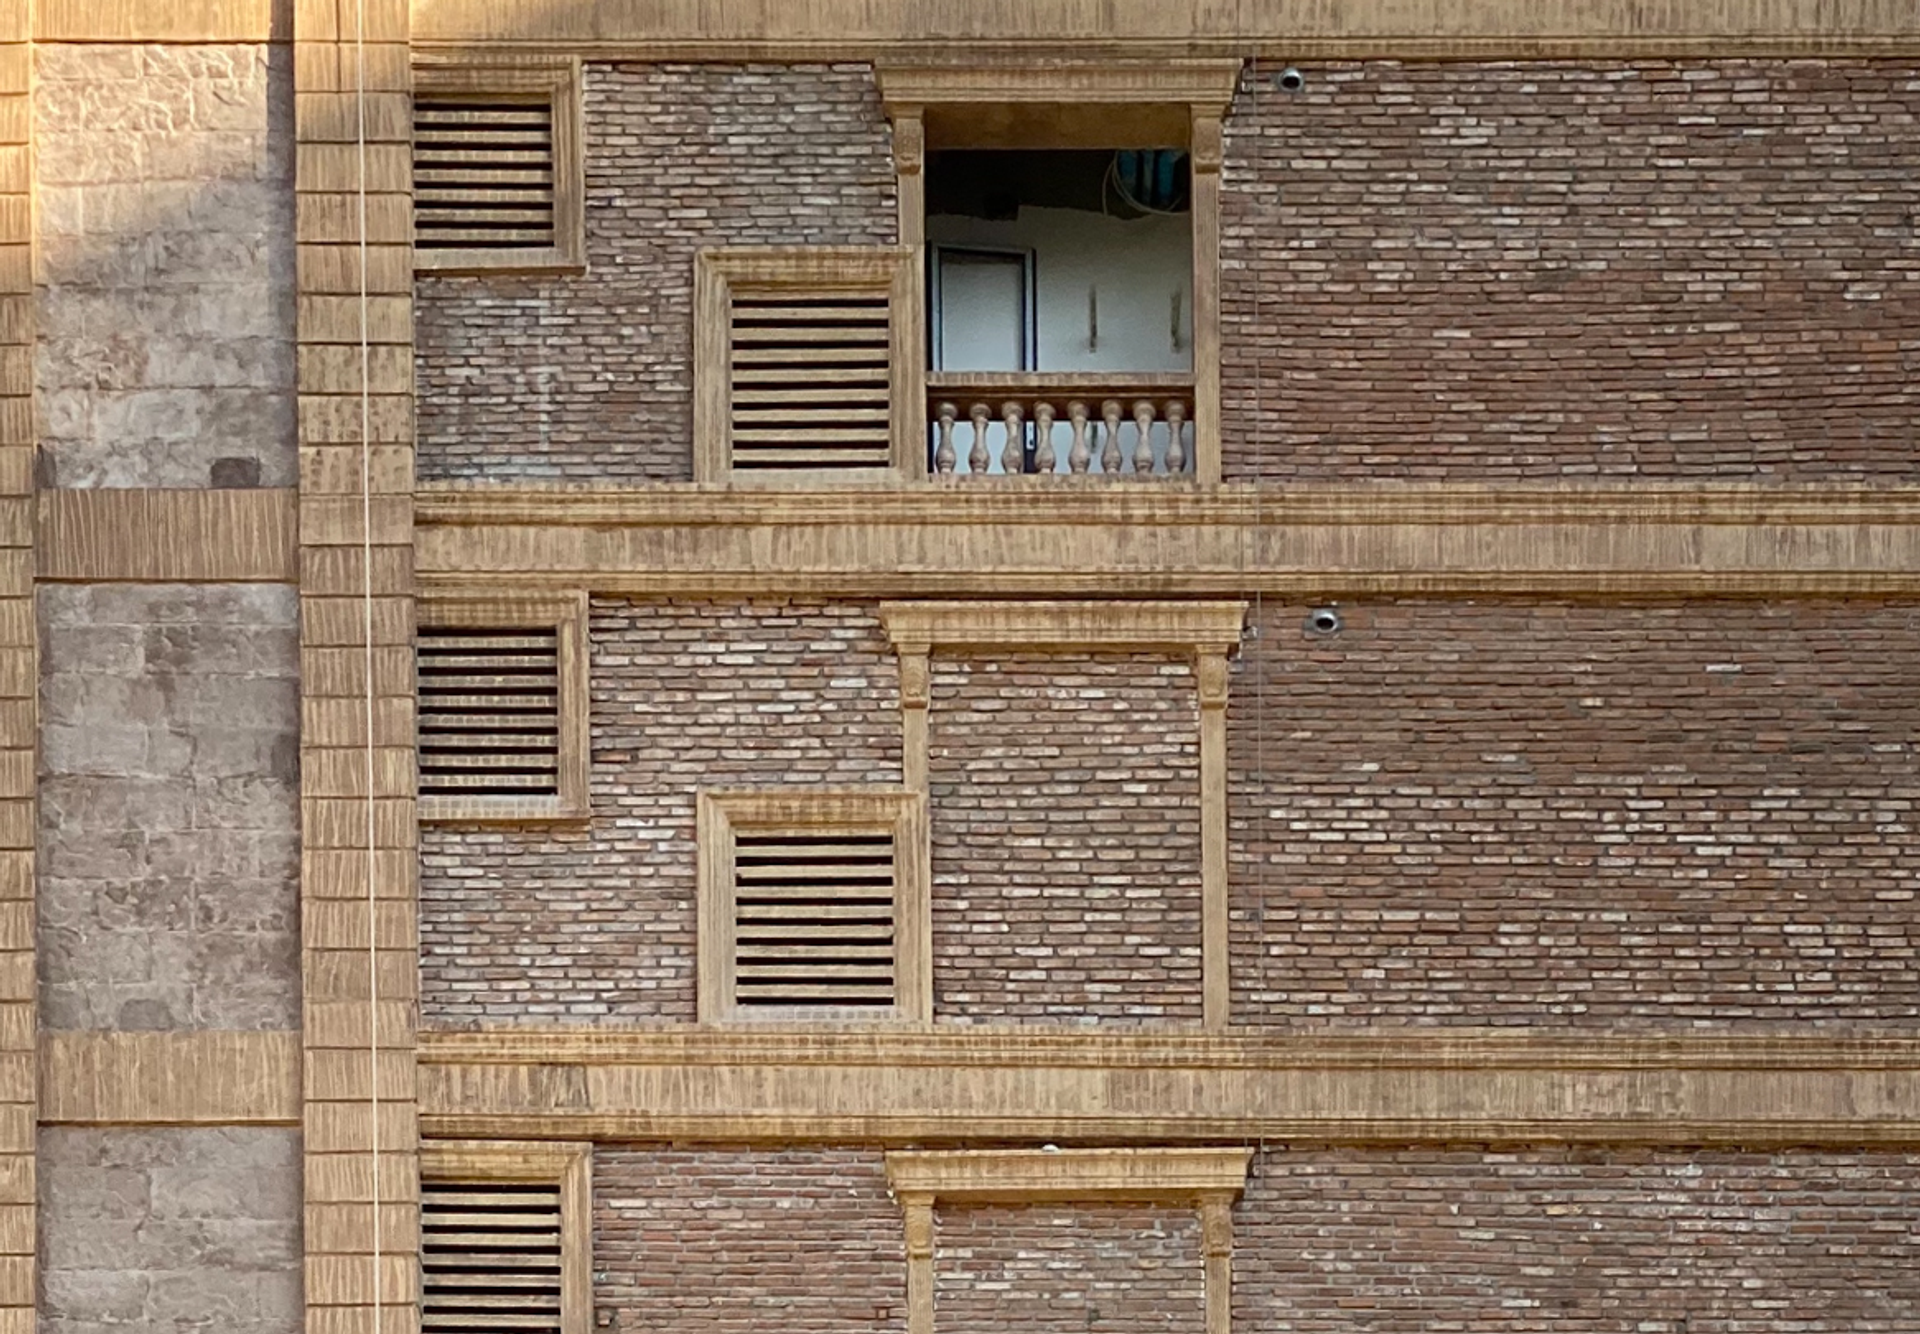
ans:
(483, 175)
(489, 712)
(807, 365)
(814, 920)
(490, 1258)
(811, 386)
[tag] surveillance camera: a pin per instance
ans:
(1290, 80)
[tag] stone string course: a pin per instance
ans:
(590, 379)
(1579, 815)
(1480, 273)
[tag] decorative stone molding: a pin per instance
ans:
(197, 1078)
(1208, 1180)
(138, 535)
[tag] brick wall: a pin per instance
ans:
(1069, 1269)
(164, 220)
(1066, 853)
(576, 924)
(740, 1241)
(1485, 272)
(590, 379)
(1577, 815)
(169, 807)
(174, 1229)
(1578, 1241)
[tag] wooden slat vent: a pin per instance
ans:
(483, 174)
(489, 711)
(814, 920)
(811, 387)
(490, 1258)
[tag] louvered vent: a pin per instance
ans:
(811, 387)
(813, 920)
(483, 175)
(489, 1258)
(489, 712)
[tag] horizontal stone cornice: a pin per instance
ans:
(905, 1085)
(1108, 539)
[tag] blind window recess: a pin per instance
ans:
(811, 382)
(484, 174)
(489, 711)
(815, 921)
(490, 1258)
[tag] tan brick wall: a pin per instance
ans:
(1066, 839)
(1488, 272)
(1577, 814)
(170, 1229)
(164, 214)
(590, 379)
(579, 924)
(1068, 1269)
(1578, 1241)
(741, 1241)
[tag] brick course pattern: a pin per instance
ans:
(1487, 272)
(1066, 846)
(589, 379)
(164, 214)
(524, 925)
(170, 1229)
(1577, 814)
(1578, 1241)
(169, 816)
(740, 1241)
(1068, 1269)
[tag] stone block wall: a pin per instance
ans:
(169, 806)
(169, 1229)
(1486, 272)
(589, 379)
(597, 922)
(1578, 1241)
(1068, 1269)
(1065, 798)
(165, 238)
(738, 1240)
(1585, 815)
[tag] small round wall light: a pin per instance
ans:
(1323, 621)
(1290, 80)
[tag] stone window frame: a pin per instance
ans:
(566, 613)
(565, 1164)
(1075, 104)
(1206, 1180)
(558, 80)
(719, 813)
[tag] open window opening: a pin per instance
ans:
(1060, 310)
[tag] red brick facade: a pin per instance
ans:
(1582, 815)
(577, 925)
(544, 379)
(1578, 1241)
(1483, 272)
(1066, 849)
(1068, 1269)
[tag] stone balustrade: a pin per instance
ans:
(1006, 425)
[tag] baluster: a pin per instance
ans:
(1110, 453)
(944, 457)
(977, 458)
(1013, 455)
(1176, 447)
(1143, 451)
(1080, 453)
(1043, 460)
